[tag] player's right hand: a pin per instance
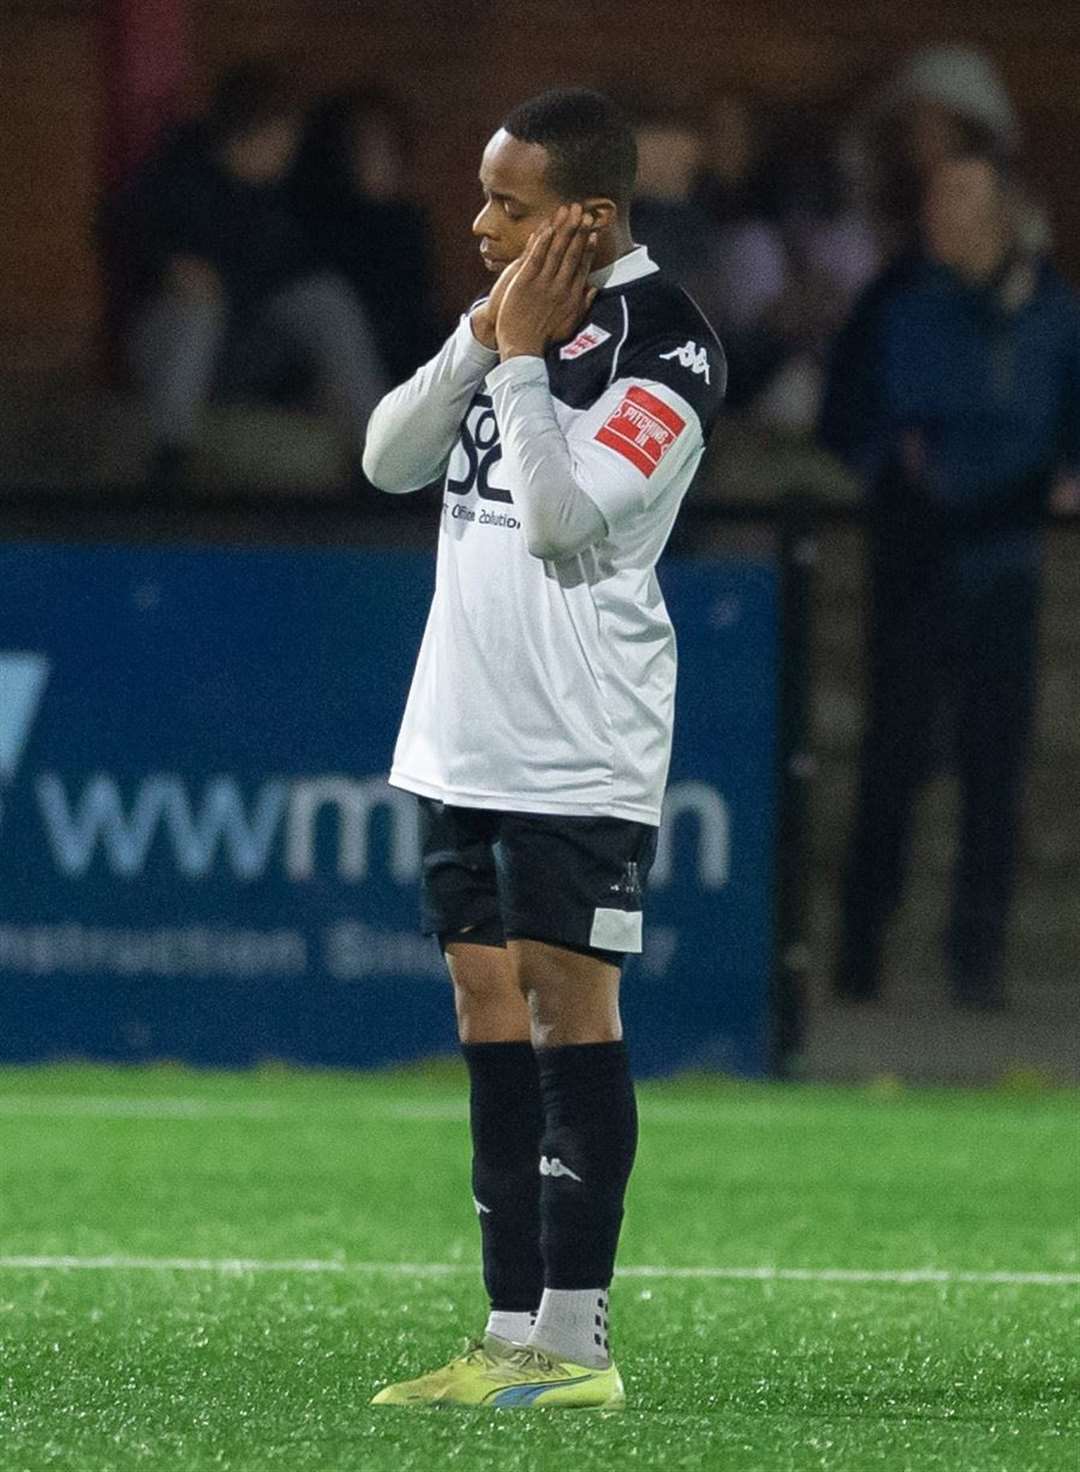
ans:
(551, 293)
(484, 316)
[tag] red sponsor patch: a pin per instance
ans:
(642, 429)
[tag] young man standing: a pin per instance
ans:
(568, 413)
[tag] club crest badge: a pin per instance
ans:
(588, 338)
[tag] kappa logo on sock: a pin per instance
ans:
(555, 1167)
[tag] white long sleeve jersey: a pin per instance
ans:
(545, 680)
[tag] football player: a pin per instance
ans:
(566, 415)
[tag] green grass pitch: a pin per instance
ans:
(210, 1271)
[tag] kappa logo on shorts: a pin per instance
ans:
(629, 886)
(642, 429)
(588, 338)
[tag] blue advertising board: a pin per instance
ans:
(200, 857)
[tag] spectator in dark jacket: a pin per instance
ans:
(228, 291)
(955, 393)
(350, 189)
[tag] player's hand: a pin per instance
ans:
(484, 316)
(550, 294)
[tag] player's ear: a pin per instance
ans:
(604, 212)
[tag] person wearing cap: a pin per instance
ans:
(942, 101)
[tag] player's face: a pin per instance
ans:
(517, 198)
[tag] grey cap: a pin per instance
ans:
(959, 78)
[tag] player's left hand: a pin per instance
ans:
(550, 293)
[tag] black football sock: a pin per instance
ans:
(587, 1152)
(504, 1108)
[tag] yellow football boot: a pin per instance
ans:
(480, 1354)
(520, 1380)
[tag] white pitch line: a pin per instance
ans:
(172, 1264)
(405, 1111)
(87, 1106)
(858, 1275)
(234, 1265)
(707, 1113)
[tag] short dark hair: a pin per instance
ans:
(248, 97)
(589, 141)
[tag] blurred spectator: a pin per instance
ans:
(730, 154)
(791, 269)
(795, 249)
(944, 100)
(351, 190)
(228, 295)
(778, 276)
(749, 267)
(703, 206)
(679, 232)
(955, 393)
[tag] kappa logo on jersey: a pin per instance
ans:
(588, 338)
(642, 429)
(692, 357)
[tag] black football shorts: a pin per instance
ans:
(573, 882)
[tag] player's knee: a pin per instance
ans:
(487, 999)
(572, 999)
(478, 968)
(482, 986)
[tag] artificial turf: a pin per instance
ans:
(287, 1203)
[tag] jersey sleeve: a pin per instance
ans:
(629, 447)
(649, 428)
(687, 359)
(414, 427)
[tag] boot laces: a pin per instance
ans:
(475, 1353)
(530, 1361)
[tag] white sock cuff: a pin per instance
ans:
(514, 1327)
(572, 1324)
